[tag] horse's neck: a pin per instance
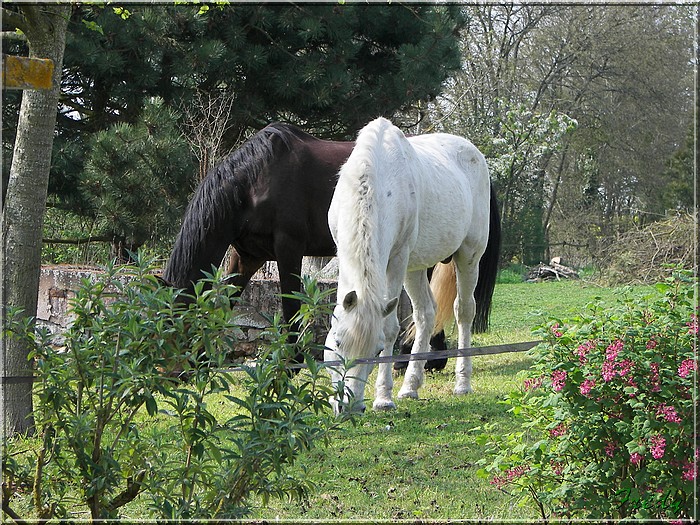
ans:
(360, 265)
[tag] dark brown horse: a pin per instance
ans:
(269, 199)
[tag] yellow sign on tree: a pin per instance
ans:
(26, 73)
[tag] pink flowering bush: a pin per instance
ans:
(606, 414)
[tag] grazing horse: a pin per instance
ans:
(400, 207)
(268, 199)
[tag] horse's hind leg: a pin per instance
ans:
(423, 303)
(467, 266)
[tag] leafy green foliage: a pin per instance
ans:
(678, 178)
(123, 406)
(607, 413)
(515, 157)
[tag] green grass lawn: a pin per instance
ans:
(420, 461)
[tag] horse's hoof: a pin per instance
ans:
(383, 404)
(408, 394)
(462, 390)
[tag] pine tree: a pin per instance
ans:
(137, 179)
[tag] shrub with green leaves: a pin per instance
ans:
(122, 408)
(606, 414)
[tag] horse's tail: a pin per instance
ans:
(488, 268)
(443, 284)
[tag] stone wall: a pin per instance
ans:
(58, 285)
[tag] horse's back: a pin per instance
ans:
(290, 202)
(430, 191)
(453, 182)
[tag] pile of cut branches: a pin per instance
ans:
(644, 255)
(549, 272)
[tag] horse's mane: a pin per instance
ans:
(223, 191)
(358, 181)
(359, 219)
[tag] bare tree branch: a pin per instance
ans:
(13, 35)
(205, 123)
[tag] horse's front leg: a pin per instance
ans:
(385, 381)
(289, 266)
(289, 253)
(418, 290)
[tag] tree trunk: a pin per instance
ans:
(45, 27)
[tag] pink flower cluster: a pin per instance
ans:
(613, 349)
(693, 324)
(510, 475)
(654, 377)
(533, 383)
(557, 467)
(587, 386)
(636, 458)
(611, 367)
(624, 367)
(558, 431)
(687, 368)
(668, 413)
(558, 380)
(583, 350)
(556, 331)
(658, 446)
(608, 371)
(610, 449)
(690, 470)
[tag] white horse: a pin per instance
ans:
(401, 206)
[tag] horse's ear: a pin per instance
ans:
(350, 300)
(390, 306)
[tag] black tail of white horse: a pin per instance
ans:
(443, 282)
(488, 269)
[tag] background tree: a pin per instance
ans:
(626, 79)
(22, 218)
(205, 123)
(137, 178)
(622, 73)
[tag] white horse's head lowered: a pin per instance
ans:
(400, 206)
(356, 333)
